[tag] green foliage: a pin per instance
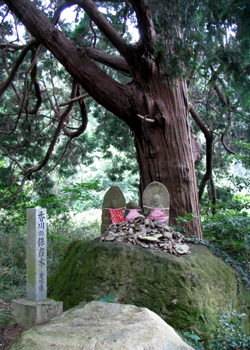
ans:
(229, 334)
(230, 227)
(182, 221)
(6, 318)
(108, 299)
(228, 233)
(12, 257)
(244, 157)
(193, 339)
(185, 219)
(192, 336)
(68, 198)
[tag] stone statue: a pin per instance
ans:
(156, 201)
(132, 211)
(113, 199)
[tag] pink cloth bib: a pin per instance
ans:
(158, 215)
(133, 213)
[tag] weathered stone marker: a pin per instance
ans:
(36, 255)
(114, 199)
(36, 309)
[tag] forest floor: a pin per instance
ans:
(8, 332)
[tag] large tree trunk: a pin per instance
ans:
(164, 153)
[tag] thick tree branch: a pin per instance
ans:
(196, 117)
(111, 61)
(145, 23)
(11, 47)
(224, 101)
(209, 151)
(36, 85)
(214, 195)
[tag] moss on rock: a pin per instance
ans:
(185, 291)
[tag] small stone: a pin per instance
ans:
(148, 238)
(161, 245)
(120, 240)
(144, 245)
(147, 222)
(97, 238)
(158, 235)
(167, 235)
(176, 234)
(137, 220)
(143, 233)
(181, 248)
(111, 233)
(110, 238)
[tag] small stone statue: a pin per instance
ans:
(113, 199)
(133, 211)
(157, 210)
(156, 198)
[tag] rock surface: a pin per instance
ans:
(100, 325)
(184, 290)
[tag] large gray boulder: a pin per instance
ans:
(102, 326)
(185, 291)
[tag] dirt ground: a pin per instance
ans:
(8, 332)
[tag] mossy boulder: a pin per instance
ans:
(185, 290)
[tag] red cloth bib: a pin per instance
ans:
(116, 216)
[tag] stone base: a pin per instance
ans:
(33, 313)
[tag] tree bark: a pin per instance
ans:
(164, 152)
